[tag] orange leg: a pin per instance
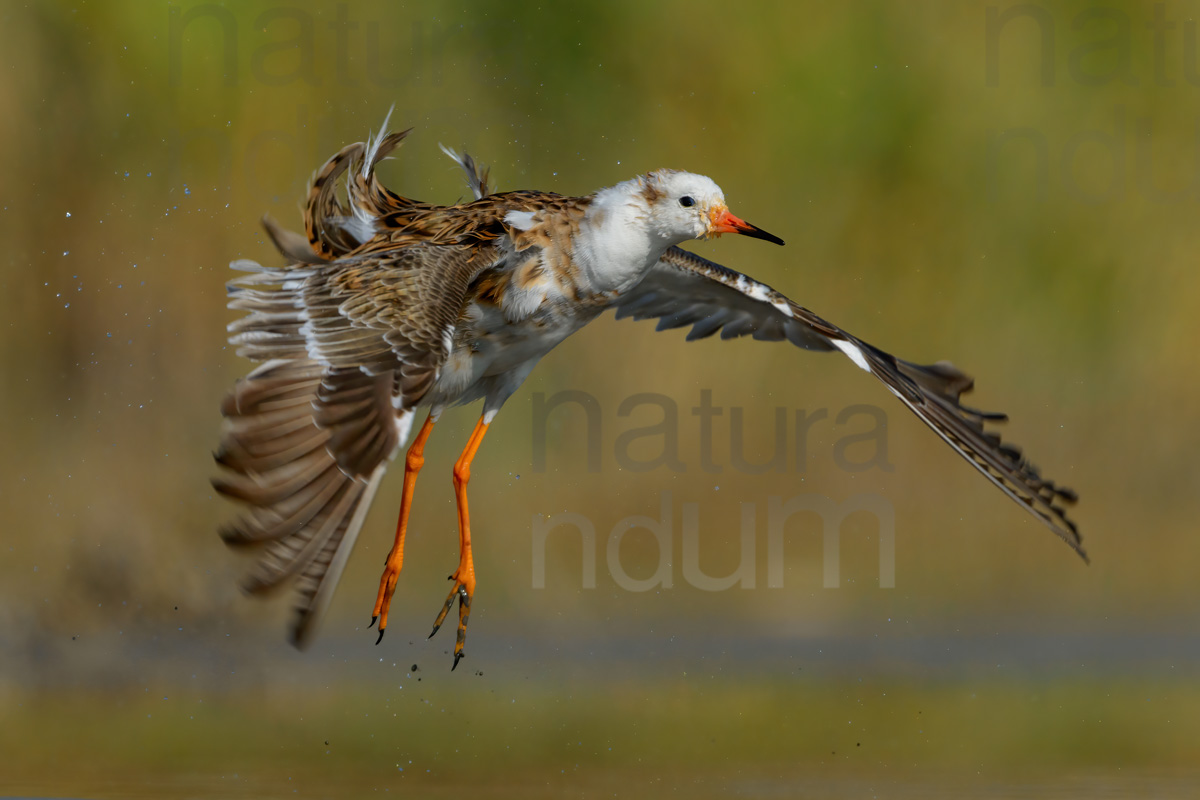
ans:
(395, 560)
(464, 576)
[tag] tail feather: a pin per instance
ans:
(369, 199)
(366, 192)
(328, 239)
(477, 177)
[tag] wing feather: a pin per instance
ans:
(351, 346)
(684, 289)
(353, 334)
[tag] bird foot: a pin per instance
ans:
(383, 600)
(464, 591)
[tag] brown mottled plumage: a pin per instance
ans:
(390, 304)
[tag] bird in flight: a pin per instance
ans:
(389, 305)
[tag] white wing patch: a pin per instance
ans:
(852, 350)
(763, 294)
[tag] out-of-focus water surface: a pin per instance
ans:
(1010, 186)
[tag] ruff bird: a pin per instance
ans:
(389, 305)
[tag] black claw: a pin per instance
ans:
(372, 625)
(380, 639)
(457, 658)
(432, 632)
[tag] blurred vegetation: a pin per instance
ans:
(938, 198)
(710, 738)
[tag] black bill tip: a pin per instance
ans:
(755, 232)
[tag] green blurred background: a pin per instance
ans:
(1012, 187)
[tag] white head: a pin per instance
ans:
(683, 205)
(633, 223)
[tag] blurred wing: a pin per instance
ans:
(350, 346)
(683, 289)
(288, 425)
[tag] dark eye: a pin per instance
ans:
(686, 201)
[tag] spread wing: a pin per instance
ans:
(353, 334)
(683, 289)
(281, 462)
(351, 346)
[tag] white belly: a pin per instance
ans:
(495, 355)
